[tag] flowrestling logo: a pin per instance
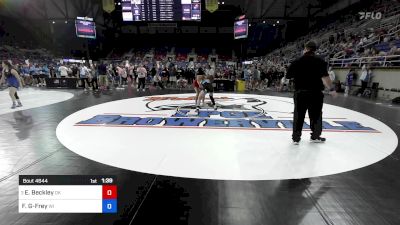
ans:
(370, 15)
(242, 113)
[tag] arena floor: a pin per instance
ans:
(213, 175)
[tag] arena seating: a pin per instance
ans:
(346, 39)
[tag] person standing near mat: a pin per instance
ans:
(157, 80)
(310, 76)
(13, 80)
(196, 86)
(84, 76)
(103, 80)
(142, 74)
(206, 87)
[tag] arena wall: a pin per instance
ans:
(388, 78)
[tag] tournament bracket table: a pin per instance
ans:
(61, 82)
(67, 194)
(224, 85)
(219, 84)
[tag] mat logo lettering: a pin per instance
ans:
(233, 113)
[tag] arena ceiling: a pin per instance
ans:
(46, 18)
(54, 10)
(69, 9)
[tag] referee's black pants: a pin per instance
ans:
(312, 102)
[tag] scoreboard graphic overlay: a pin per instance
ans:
(67, 194)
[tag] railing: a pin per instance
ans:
(375, 61)
(394, 30)
(389, 21)
(393, 10)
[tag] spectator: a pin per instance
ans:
(349, 82)
(332, 75)
(84, 76)
(157, 81)
(142, 74)
(393, 50)
(103, 80)
(75, 71)
(34, 71)
(94, 76)
(364, 78)
(255, 78)
(172, 76)
(165, 76)
(63, 71)
(386, 39)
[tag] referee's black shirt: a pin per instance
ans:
(307, 72)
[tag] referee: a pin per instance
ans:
(310, 76)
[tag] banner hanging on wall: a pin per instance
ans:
(108, 5)
(212, 5)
